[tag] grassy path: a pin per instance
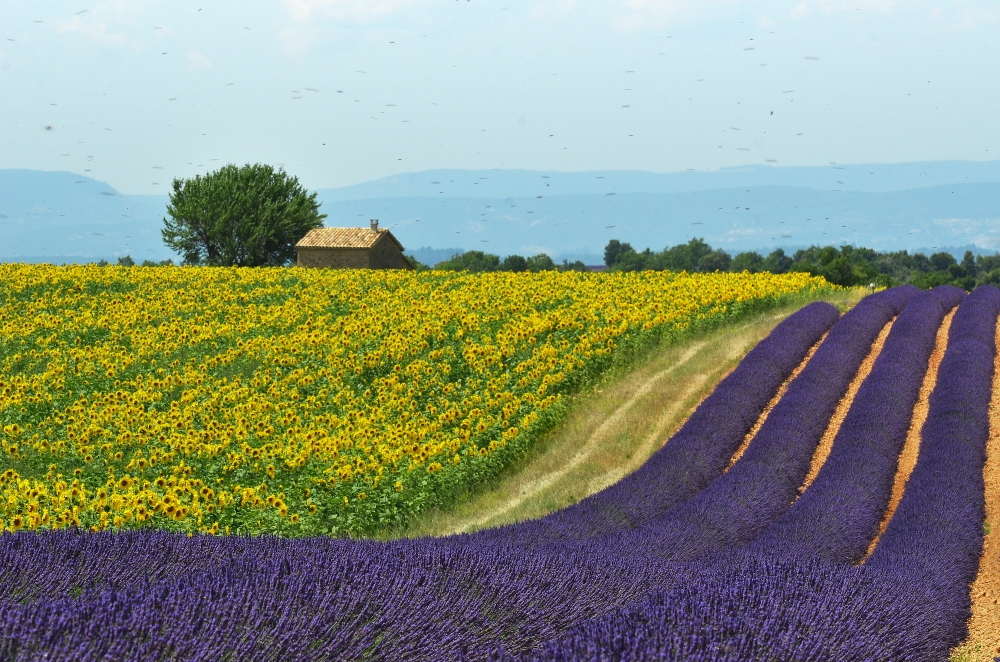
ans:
(606, 431)
(610, 431)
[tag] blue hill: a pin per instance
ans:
(530, 183)
(65, 217)
(62, 216)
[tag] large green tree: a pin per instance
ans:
(247, 216)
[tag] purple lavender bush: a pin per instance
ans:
(753, 607)
(935, 537)
(173, 597)
(839, 514)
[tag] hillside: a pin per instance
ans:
(62, 216)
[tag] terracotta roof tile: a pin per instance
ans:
(342, 238)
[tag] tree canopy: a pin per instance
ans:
(846, 265)
(480, 261)
(247, 216)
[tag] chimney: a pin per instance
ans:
(374, 225)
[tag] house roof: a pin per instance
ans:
(344, 238)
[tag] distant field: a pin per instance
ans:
(306, 402)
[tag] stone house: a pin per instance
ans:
(351, 248)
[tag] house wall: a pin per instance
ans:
(333, 258)
(383, 255)
(386, 255)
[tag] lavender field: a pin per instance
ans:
(746, 537)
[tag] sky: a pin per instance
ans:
(139, 92)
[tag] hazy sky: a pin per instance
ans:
(341, 91)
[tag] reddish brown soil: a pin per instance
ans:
(911, 448)
(770, 405)
(826, 442)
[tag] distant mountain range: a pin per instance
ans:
(60, 216)
(65, 217)
(875, 178)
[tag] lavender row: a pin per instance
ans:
(165, 596)
(839, 515)
(752, 607)
(935, 537)
(737, 506)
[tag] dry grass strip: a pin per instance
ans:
(911, 448)
(774, 401)
(606, 428)
(651, 442)
(983, 642)
(826, 441)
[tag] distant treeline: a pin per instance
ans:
(843, 266)
(480, 261)
(127, 261)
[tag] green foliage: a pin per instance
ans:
(694, 256)
(846, 266)
(247, 216)
(941, 261)
(474, 261)
(514, 263)
(751, 262)
(613, 252)
(540, 262)
(777, 262)
(127, 261)
(417, 264)
(629, 260)
(477, 261)
(717, 260)
(573, 266)
(687, 257)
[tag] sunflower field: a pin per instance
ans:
(305, 402)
